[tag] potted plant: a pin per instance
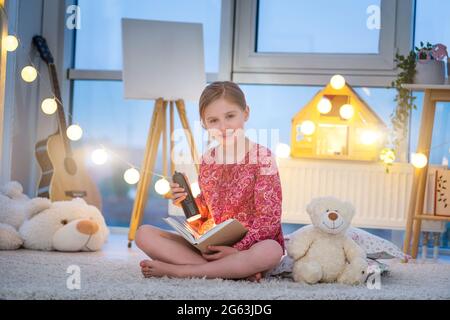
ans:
(430, 66)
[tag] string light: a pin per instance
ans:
(99, 156)
(369, 137)
(324, 106)
(162, 186)
(347, 111)
(74, 132)
(337, 82)
(419, 160)
(307, 127)
(10, 43)
(49, 106)
(29, 74)
(131, 176)
(283, 150)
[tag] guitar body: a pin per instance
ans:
(64, 178)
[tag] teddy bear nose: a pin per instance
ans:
(87, 227)
(332, 216)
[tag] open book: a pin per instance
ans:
(226, 233)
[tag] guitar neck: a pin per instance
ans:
(61, 115)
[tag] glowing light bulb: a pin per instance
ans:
(337, 82)
(308, 127)
(324, 106)
(162, 186)
(131, 176)
(29, 74)
(74, 132)
(99, 156)
(387, 155)
(369, 137)
(419, 160)
(283, 150)
(347, 111)
(195, 188)
(10, 43)
(49, 106)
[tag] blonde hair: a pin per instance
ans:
(227, 90)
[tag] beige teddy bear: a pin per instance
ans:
(40, 224)
(322, 252)
(65, 226)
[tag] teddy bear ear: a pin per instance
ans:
(37, 205)
(350, 208)
(12, 189)
(310, 208)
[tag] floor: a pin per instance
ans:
(114, 273)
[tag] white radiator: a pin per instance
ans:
(381, 199)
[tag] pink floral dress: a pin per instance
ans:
(249, 191)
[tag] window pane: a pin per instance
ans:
(98, 42)
(320, 26)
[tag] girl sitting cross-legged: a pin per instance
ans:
(238, 179)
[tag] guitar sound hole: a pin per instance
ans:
(70, 165)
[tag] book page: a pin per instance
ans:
(182, 221)
(181, 229)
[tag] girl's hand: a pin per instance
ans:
(178, 194)
(219, 252)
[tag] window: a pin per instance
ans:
(295, 26)
(296, 42)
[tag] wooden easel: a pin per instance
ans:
(158, 126)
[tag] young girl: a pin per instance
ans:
(238, 179)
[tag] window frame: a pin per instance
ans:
(250, 66)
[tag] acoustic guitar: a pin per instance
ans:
(63, 174)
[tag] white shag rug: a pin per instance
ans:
(26, 274)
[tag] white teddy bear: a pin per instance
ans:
(15, 208)
(42, 225)
(322, 252)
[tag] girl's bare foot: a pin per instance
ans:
(155, 268)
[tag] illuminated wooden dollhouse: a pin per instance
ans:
(337, 124)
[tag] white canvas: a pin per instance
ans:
(162, 60)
